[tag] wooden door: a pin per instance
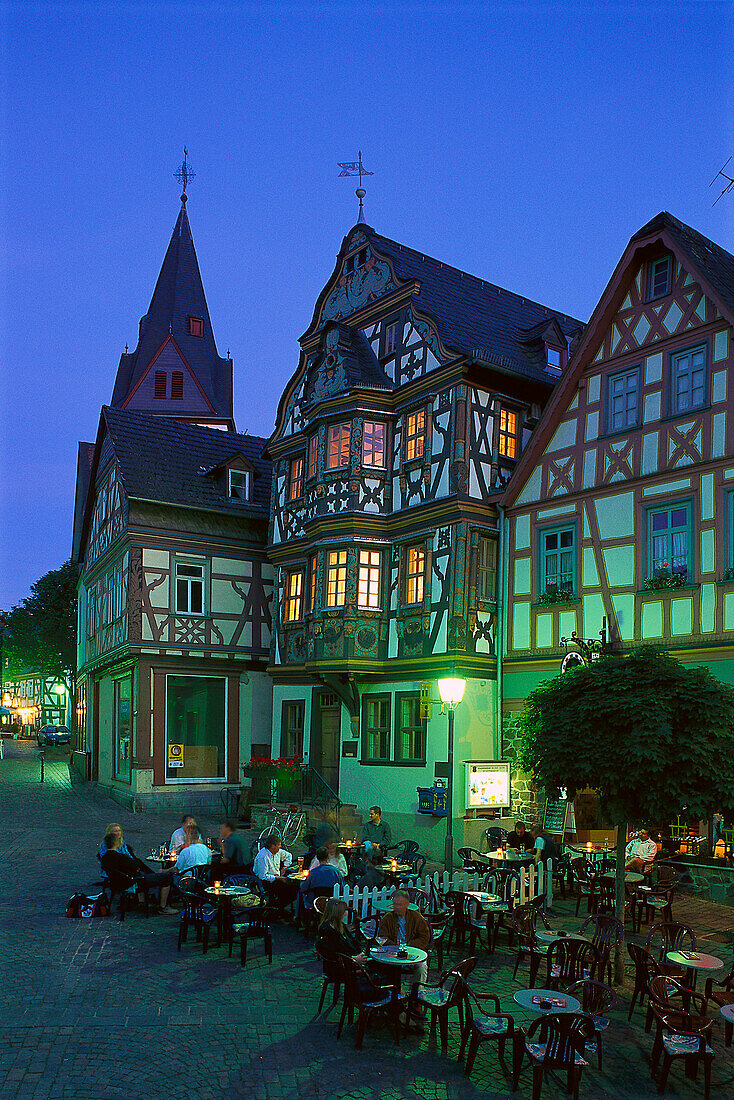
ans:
(329, 757)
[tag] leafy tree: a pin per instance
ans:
(651, 735)
(39, 634)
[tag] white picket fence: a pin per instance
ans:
(532, 881)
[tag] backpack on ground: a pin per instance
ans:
(85, 905)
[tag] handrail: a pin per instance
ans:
(315, 791)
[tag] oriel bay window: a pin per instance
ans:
(293, 604)
(190, 578)
(669, 546)
(336, 578)
(295, 482)
(415, 568)
(415, 435)
(410, 739)
(557, 562)
(368, 580)
(376, 727)
(292, 728)
(337, 452)
(196, 715)
(373, 444)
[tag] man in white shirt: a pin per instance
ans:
(178, 836)
(195, 854)
(269, 865)
(640, 851)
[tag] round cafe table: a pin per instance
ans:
(385, 906)
(524, 997)
(482, 897)
(693, 961)
(223, 895)
(631, 878)
(551, 935)
(728, 1014)
(500, 856)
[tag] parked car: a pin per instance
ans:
(54, 735)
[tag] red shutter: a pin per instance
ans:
(160, 384)
(177, 385)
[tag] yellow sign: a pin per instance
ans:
(175, 756)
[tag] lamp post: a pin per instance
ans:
(451, 691)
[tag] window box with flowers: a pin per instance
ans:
(273, 779)
(663, 577)
(555, 594)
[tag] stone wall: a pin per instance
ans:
(526, 803)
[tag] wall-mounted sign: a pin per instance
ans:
(175, 756)
(571, 660)
(487, 784)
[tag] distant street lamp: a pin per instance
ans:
(451, 691)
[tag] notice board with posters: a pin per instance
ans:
(487, 784)
(555, 816)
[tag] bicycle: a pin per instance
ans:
(287, 825)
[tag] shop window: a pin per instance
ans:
(295, 483)
(336, 578)
(410, 739)
(487, 569)
(338, 446)
(415, 568)
(291, 741)
(313, 455)
(508, 425)
(373, 444)
(688, 380)
(376, 727)
(177, 385)
(196, 714)
(122, 728)
(239, 484)
(658, 278)
(368, 584)
(190, 587)
(293, 605)
(669, 545)
(557, 561)
(415, 435)
(623, 400)
(160, 384)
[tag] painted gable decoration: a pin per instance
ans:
(345, 359)
(364, 283)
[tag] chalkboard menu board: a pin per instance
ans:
(554, 818)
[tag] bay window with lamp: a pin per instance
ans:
(293, 596)
(369, 579)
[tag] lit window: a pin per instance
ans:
(658, 278)
(313, 453)
(313, 576)
(295, 487)
(336, 578)
(368, 586)
(376, 727)
(373, 444)
(508, 433)
(415, 432)
(415, 574)
(196, 326)
(410, 741)
(487, 569)
(239, 484)
(669, 543)
(177, 385)
(189, 588)
(688, 380)
(557, 561)
(160, 384)
(293, 592)
(554, 357)
(338, 452)
(623, 398)
(391, 337)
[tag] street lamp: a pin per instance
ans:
(451, 691)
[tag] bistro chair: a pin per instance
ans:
(254, 924)
(653, 904)
(670, 936)
(309, 916)
(596, 1000)
(606, 934)
(680, 1032)
(498, 914)
(363, 995)
(556, 1041)
(524, 920)
(569, 960)
(722, 996)
(495, 837)
(333, 975)
(439, 925)
(480, 1025)
(472, 860)
(646, 968)
(439, 998)
(465, 911)
(586, 879)
(198, 913)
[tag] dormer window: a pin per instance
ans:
(554, 357)
(658, 278)
(160, 384)
(239, 484)
(196, 326)
(354, 261)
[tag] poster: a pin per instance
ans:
(487, 785)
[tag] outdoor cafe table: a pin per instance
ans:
(500, 856)
(693, 961)
(524, 997)
(483, 898)
(547, 935)
(224, 896)
(387, 956)
(728, 1013)
(385, 906)
(631, 878)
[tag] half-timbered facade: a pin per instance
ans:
(417, 388)
(174, 628)
(620, 515)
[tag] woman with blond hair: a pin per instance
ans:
(114, 828)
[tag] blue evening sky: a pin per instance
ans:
(523, 142)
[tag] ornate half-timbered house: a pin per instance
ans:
(417, 388)
(175, 586)
(620, 514)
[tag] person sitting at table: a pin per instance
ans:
(269, 866)
(335, 859)
(641, 850)
(520, 839)
(235, 850)
(116, 828)
(407, 927)
(193, 854)
(178, 836)
(127, 867)
(321, 876)
(334, 936)
(376, 834)
(544, 845)
(326, 832)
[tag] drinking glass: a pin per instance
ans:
(382, 940)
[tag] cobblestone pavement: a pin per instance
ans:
(105, 1010)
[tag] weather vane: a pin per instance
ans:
(356, 168)
(729, 185)
(183, 174)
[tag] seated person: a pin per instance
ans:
(193, 854)
(126, 850)
(640, 850)
(124, 868)
(520, 838)
(326, 832)
(335, 859)
(376, 834)
(407, 926)
(544, 845)
(334, 937)
(178, 836)
(270, 863)
(320, 876)
(235, 850)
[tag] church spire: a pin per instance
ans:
(176, 370)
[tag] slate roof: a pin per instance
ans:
(712, 259)
(85, 458)
(361, 364)
(164, 460)
(474, 317)
(178, 295)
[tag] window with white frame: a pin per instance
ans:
(415, 569)
(658, 277)
(557, 561)
(239, 484)
(688, 379)
(623, 400)
(368, 581)
(336, 578)
(670, 544)
(190, 587)
(373, 444)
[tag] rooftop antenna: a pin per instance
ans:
(356, 168)
(183, 174)
(729, 185)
